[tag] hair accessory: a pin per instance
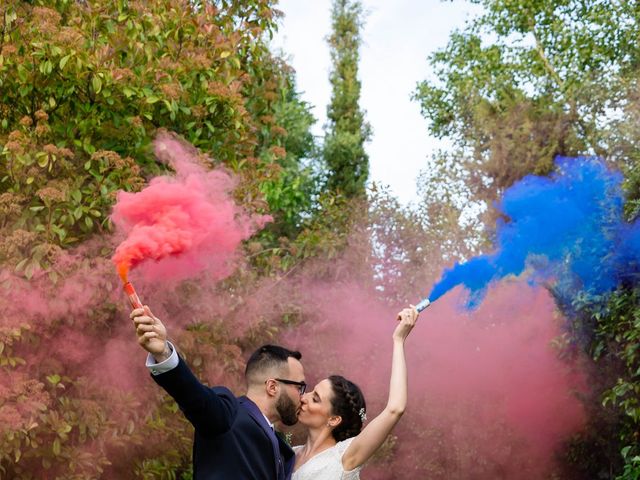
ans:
(363, 415)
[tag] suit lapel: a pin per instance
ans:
(255, 413)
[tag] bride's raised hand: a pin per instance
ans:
(407, 320)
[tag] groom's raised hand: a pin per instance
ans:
(152, 334)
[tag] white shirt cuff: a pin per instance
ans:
(163, 367)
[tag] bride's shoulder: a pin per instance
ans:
(342, 445)
(341, 448)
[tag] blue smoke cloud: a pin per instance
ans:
(568, 227)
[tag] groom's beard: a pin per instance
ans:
(287, 410)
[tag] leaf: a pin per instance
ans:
(88, 222)
(87, 147)
(61, 232)
(56, 447)
(21, 264)
(225, 54)
(97, 84)
(22, 73)
(63, 61)
(25, 90)
(152, 99)
(31, 269)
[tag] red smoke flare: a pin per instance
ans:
(188, 220)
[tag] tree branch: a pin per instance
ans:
(547, 64)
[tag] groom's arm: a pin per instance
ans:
(211, 412)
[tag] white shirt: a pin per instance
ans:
(169, 364)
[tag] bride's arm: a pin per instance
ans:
(374, 434)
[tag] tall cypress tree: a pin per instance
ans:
(346, 130)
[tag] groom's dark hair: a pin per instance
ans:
(268, 357)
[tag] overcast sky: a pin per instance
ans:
(398, 37)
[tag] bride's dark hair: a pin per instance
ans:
(348, 403)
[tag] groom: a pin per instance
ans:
(234, 437)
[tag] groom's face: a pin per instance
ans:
(288, 402)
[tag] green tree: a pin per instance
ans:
(526, 81)
(290, 194)
(346, 129)
(84, 87)
(83, 91)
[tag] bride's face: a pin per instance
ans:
(315, 408)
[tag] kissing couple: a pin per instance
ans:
(235, 437)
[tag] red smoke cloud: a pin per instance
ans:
(490, 396)
(189, 221)
(68, 327)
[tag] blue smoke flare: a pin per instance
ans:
(568, 226)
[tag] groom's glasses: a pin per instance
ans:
(302, 387)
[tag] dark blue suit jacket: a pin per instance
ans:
(233, 440)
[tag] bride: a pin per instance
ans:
(334, 412)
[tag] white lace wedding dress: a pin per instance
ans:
(327, 465)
